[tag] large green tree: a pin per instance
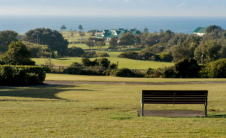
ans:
(6, 37)
(208, 51)
(127, 39)
(17, 54)
(113, 42)
(213, 28)
(52, 38)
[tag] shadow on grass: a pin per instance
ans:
(40, 92)
(61, 59)
(217, 116)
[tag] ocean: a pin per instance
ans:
(22, 24)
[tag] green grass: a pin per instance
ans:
(67, 35)
(123, 62)
(84, 46)
(104, 111)
(68, 77)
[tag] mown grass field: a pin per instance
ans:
(75, 37)
(123, 62)
(104, 111)
(69, 77)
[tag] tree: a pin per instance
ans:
(100, 44)
(17, 54)
(90, 43)
(168, 32)
(75, 51)
(82, 34)
(80, 27)
(114, 42)
(6, 37)
(127, 39)
(217, 69)
(179, 53)
(187, 68)
(213, 28)
(52, 38)
(63, 27)
(209, 51)
(146, 30)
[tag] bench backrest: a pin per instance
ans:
(174, 96)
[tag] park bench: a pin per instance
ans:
(174, 97)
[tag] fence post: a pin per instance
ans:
(59, 69)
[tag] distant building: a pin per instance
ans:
(108, 34)
(200, 31)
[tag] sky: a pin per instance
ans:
(114, 7)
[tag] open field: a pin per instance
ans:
(104, 111)
(84, 46)
(67, 35)
(69, 77)
(123, 62)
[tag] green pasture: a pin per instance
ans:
(84, 46)
(123, 62)
(69, 77)
(75, 37)
(104, 111)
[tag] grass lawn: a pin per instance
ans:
(67, 35)
(84, 46)
(104, 111)
(69, 77)
(123, 62)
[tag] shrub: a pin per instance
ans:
(101, 54)
(75, 51)
(21, 75)
(168, 72)
(153, 73)
(113, 66)
(129, 54)
(187, 68)
(104, 62)
(166, 57)
(217, 69)
(124, 72)
(72, 70)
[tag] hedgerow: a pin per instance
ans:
(21, 75)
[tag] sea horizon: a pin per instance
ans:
(187, 24)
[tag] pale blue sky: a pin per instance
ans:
(115, 7)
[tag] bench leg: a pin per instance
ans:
(142, 108)
(205, 110)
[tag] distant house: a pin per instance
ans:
(200, 31)
(108, 34)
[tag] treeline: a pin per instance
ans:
(176, 46)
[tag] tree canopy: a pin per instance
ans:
(17, 54)
(114, 42)
(52, 38)
(6, 37)
(127, 39)
(80, 27)
(213, 28)
(63, 27)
